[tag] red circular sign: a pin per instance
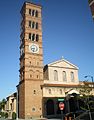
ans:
(61, 105)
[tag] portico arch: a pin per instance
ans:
(71, 101)
(50, 107)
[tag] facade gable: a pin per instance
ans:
(63, 64)
(61, 72)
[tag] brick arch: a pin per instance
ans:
(50, 107)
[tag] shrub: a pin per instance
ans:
(2, 114)
(13, 116)
(6, 115)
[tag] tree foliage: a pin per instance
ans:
(86, 97)
(13, 116)
(2, 104)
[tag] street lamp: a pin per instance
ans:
(90, 77)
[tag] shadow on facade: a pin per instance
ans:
(51, 106)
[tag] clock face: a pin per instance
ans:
(34, 48)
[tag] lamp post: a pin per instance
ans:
(90, 77)
(17, 104)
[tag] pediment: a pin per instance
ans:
(72, 91)
(63, 64)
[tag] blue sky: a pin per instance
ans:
(68, 31)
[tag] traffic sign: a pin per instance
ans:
(60, 99)
(61, 106)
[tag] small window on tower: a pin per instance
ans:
(34, 91)
(30, 76)
(33, 109)
(29, 11)
(37, 37)
(37, 63)
(30, 62)
(33, 12)
(33, 37)
(36, 25)
(36, 13)
(30, 36)
(30, 24)
(33, 24)
(37, 76)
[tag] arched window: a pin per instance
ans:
(37, 37)
(72, 76)
(34, 91)
(33, 25)
(29, 36)
(30, 24)
(50, 107)
(31, 75)
(64, 76)
(50, 92)
(37, 74)
(30, 63)
(33, 12)
(33, 37)
(36, 13)
(29, 11)
(55, 75)
(60, 91)
(36, 25)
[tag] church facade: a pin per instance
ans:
(41, 87)
(60, 79)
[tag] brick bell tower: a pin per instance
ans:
(31, 62)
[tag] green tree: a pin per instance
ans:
(13, 116)
(86, 97)
(6, 115)
(2, 104)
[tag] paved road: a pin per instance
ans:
(2, 119)
(30, 119)
(53, 119)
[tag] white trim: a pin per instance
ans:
(73, 91)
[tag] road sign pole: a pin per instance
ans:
(61, 106)
(61, 114)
